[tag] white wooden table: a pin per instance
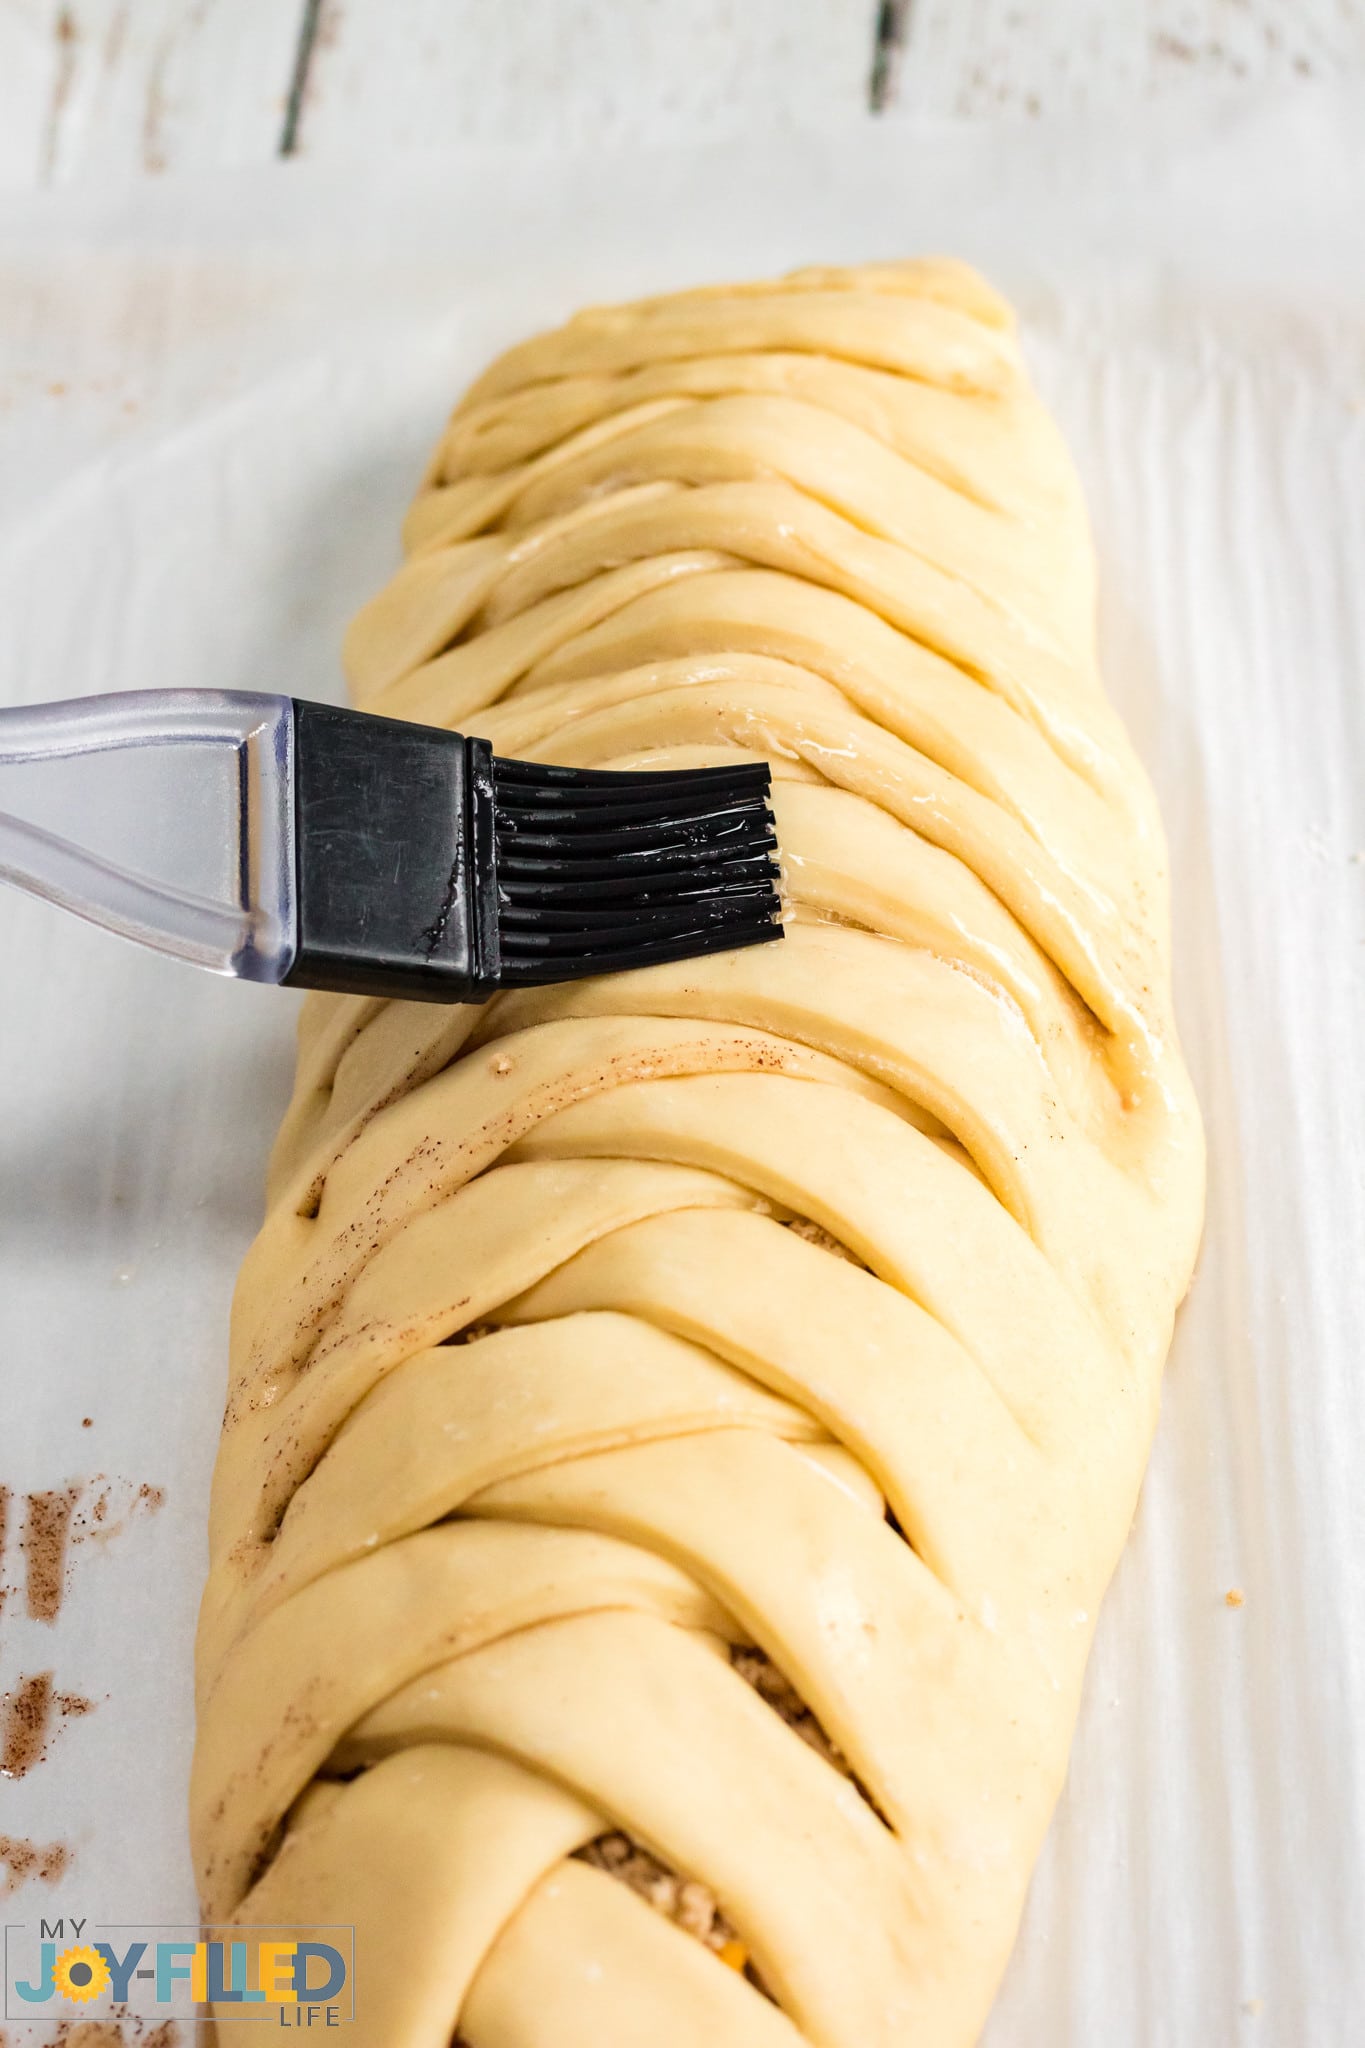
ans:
(100, 89)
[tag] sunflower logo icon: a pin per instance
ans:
(80, 1974)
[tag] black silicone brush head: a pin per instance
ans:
(599, 871)
(428, 870)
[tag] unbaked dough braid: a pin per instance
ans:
(798, 1313)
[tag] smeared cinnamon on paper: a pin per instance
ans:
(24, 1725)
(107, 1506)
(26, 1721)
(110, 2034)
(56, 1519)
(47, 1526)
(44, 1862)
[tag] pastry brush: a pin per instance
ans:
(290, 842)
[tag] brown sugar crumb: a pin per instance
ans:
(1234, 1597)
(685, 1901)
(777, 1692)
(472, 1332)
(814, 1233)
(87, 1422)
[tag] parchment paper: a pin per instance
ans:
(214, 400)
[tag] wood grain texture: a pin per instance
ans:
(99, 89)
(979, 57)
(429, 72)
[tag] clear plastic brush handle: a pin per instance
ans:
(165, 815)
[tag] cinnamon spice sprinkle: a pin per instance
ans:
(43, 1861)
(111, 2034)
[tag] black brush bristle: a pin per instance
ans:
(429, 870)
(600, 870)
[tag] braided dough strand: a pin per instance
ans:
(701, 1410)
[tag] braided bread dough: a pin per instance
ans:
(551, 1398)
